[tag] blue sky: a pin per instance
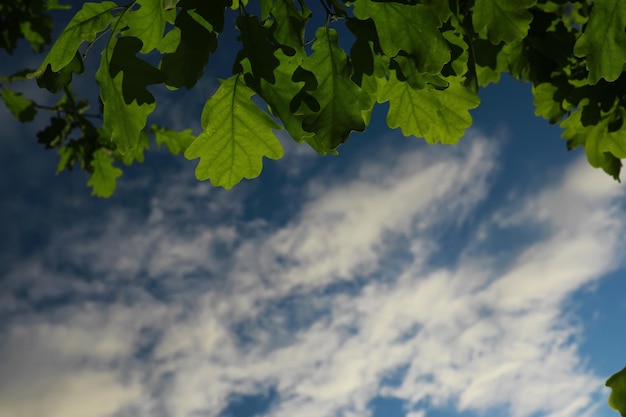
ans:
(396, 279)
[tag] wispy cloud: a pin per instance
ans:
(173, 310)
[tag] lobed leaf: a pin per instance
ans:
(21, 107)
(603, 42)
(194, 41)
(546, 103)
(55, 81)
(601, 144)
(123, 120)
(236, 136)
(137, 154)
(503, 20)
(137, 73)
(176, 142)
(412, 28)
(90, 20)
(257, 48)
(436, 115)
(341, 101)
(617, 399)
(103, 179)
(280, 96)
(148, 22)
(288, 26)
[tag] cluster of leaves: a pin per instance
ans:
(426, 58)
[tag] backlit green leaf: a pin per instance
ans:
(169, 4)
(124, 121)
(546, 104)
(409, 28)
(37, 33)
(288, 26)
(185, 66)
(453, 116)
(341, 101)
(138, 74)
(21, 107)
(617, 383)
(503, 20)
(235, 138)
(257, 48)
(136, 154)
(55, 81)
(436, 115)
(604, 40)
(148, 23)
(280, 95)
(90, 20)
(601, 144)
(103, 179)
(176, 142)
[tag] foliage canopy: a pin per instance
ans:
(320, 67)
(426, 58)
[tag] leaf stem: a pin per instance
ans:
(328, 12)
(61, 110)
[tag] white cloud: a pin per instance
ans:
(323, 308)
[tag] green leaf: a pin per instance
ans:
(266, 7)
(176, 142)
(185, 66)
(136, 154)
(170, 41)
(236, 137)
(54, 134)
(284, 93)
(617, 383)
(67, 158)
(459, 51)
(370, 65)
(341, 101)
(137, 73)
(124, 121)
(257, 48)
(169, 4)
(270, 72)
(21, 107)
(288, 26)
(90, 20)
(414, 111)
(439, 8)
(37, 32)
(419, 37)
(148, 23)
(436, 115)
(546, 103)
(604, 40)
(103, 179)
(416, 79)
(454, 117)
(488, 60)
(503, 20)
(601, 144)
(55, 81)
